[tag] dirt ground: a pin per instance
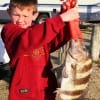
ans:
(93, 90)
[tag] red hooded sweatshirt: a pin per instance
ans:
(29, 51)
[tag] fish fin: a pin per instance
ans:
(74, 72)
(64, 73)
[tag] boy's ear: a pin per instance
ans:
(35, 15)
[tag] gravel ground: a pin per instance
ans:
(93, 90)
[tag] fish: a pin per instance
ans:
(74, 74)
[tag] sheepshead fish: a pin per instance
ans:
(75, 72)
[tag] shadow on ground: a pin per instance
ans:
(5, 72)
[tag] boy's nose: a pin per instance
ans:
(20, 19)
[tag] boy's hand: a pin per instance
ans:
(70, 15)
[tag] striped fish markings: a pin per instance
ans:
(76, 72)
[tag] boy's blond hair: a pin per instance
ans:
(23, 3)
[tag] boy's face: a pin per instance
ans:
(22, 17)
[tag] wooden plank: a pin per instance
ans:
(95, 42)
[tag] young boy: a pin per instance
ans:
(29, 47)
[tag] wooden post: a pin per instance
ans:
(95, 42)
